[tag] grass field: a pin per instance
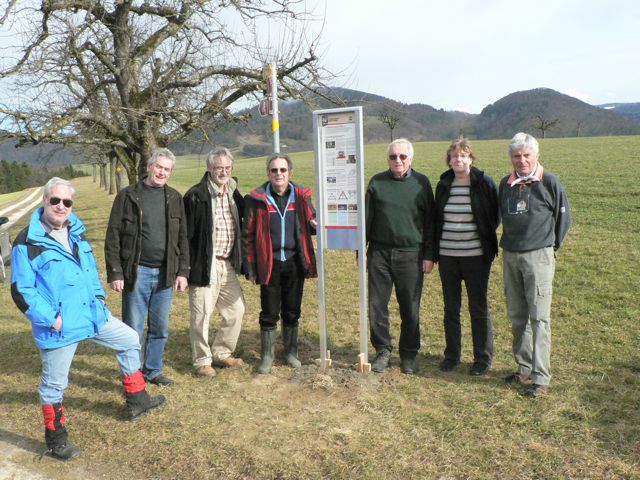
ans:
(310, 424)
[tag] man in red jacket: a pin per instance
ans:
(278, 255)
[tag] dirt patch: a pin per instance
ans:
(331, 378)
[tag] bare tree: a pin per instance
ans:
(131, 75)
(390, 116)
(544, 124)
(579, 125)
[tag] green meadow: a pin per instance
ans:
(334, 424)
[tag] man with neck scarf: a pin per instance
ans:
(535, 218)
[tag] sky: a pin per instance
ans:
(466, 54)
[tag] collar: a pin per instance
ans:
(535, 176)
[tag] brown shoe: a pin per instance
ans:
(227, 362)
(536, 390)
(517, 379)
(205, 371)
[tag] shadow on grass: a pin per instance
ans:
(25, 443)
(614, 398)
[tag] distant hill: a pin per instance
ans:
(42, 155)
(629, 110)
(518, 111)
(418, 122)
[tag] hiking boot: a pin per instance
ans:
(479, 369)
(55, 433)
(162, 381)
(447, 365)
(408, 365)
(205, 371)
(381, 362)
(536, 390)
(517, 378)
(290, 341)
(268, 340)
(64, 452)
(227, 362)
(139, 403)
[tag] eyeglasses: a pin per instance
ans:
(281, 170)
(223, 169)
(67, 202)
(393, 157)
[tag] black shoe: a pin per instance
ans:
(64, 452)
(408, 365)
(479, 369)
(447, 365)
(517, 378)
(162, 380)
(141, 402)
(536, 390)
(381, 362)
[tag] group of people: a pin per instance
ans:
(157, 242)
(408, 230)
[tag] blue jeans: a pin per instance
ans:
(149, 303)
(56, 361)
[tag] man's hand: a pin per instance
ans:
(181, 284)
(57, 325)
(427, 266)
(117, 285)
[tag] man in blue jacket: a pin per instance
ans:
(55, 283)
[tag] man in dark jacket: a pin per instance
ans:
(214, 210)
(277, 228)
(535, 219)
(147, 255)
(55, 283)
(399, 217)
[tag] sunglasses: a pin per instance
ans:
(393, 157)
(281, 170)
(67, 202)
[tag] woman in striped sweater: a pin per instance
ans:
(466, 243)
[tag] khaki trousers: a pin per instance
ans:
(225, 295)
(528, 286)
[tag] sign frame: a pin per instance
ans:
(341, 130)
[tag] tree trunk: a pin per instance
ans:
(113, 159)
(95, 168)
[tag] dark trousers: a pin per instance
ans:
(283, 296)
(390, 268)
(474, 271)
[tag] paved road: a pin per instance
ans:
(17, 211)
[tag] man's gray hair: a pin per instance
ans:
(523, 140)
(401, 141)
(55, 181)
(284, 156)
(162, 152)
(217, 153)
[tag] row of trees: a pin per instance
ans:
(18, 176)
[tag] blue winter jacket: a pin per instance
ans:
(47, 280)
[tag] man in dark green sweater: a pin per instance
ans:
(400, 230)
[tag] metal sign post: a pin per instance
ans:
(269, 105)
(339, 161)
